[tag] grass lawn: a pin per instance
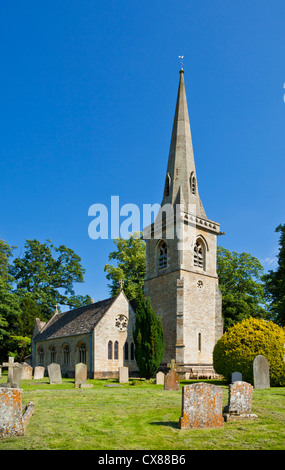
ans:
(137, 417)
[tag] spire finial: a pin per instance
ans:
(121, 283)
(181, 57)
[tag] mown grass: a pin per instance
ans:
(137, 416)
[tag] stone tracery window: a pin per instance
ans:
(116, 350)
(110, 350)
(52, 354)
(41, 356)
(162, 255)
(66, 354)
(199, 254)
(82, 352)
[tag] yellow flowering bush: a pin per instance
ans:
(240, 344)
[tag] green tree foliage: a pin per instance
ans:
(131, 266)
(45, 276)
(148, 337)
(275, 281)
(240, 280)
(237, 348)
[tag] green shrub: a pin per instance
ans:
(237, 348)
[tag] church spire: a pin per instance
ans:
(181, 181)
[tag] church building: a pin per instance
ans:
(181, 282)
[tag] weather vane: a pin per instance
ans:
(181, 57)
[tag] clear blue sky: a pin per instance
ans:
(88, 91)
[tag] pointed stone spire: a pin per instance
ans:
(181, 172)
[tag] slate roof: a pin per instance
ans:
(74, 322)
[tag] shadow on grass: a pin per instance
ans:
(171, 424)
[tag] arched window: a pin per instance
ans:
(66, 354)
(162, 255)
(199, 254)
(110, 350)
(82, 352)
(192, 183)
(167, 185)
(52, 354)
(126, 351)
(116, 350)
(199, 342)
(41, 356)
(132, 352)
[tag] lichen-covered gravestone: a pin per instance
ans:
(172, 379)
(27, 371)
(239, 404)
(261, 372)
(12, 420)
(202, 406)
(54, 373)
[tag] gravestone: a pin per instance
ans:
(236, 377)
(39, 372)
(80, 374)
(261, 372)
(202, 406)
(27, 372)
(12, 420)
(54, 373)
(239, 404)
(172, 378)
(17, 374)
(123, 375)
(13, 369)
(159, 378)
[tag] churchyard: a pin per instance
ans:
(139, 415)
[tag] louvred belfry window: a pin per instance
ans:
(162, 256)
(199, 255)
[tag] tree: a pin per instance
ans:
(44, 276)
(131, 266)
(240, 280)
(240, 344)
(148, 337)
(275, 281)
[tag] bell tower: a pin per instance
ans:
(181, 251)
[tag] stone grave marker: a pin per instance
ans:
(239, 404)
(261, 372)
(39, 372)
(172, 379)
(13, 369)
(12, 419)
(202, 406)
(54, 373)
(159, 378)
(236, 377)
(27, 372)
(123, 375)
(80, 374)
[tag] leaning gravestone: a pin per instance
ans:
(202, 406)
(159, 378)
(236, 377)
(80, 374)
(39, 372)
(12, 419)
(123, 375)
(54, 373)
(261, 372)
(27, 372)
(239, 404)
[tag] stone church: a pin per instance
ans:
(181, 282)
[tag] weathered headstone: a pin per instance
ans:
(54, 373)
(12, 419)
(172, 378)
(239, 404)
(39, 372)
(202, 406)
(80, 374)
(27, 372)
(10, 365)
(236, 377)
(159, 378)
(123, 375)
(17, 374)
(261, 372)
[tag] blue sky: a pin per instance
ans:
(88, 91)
